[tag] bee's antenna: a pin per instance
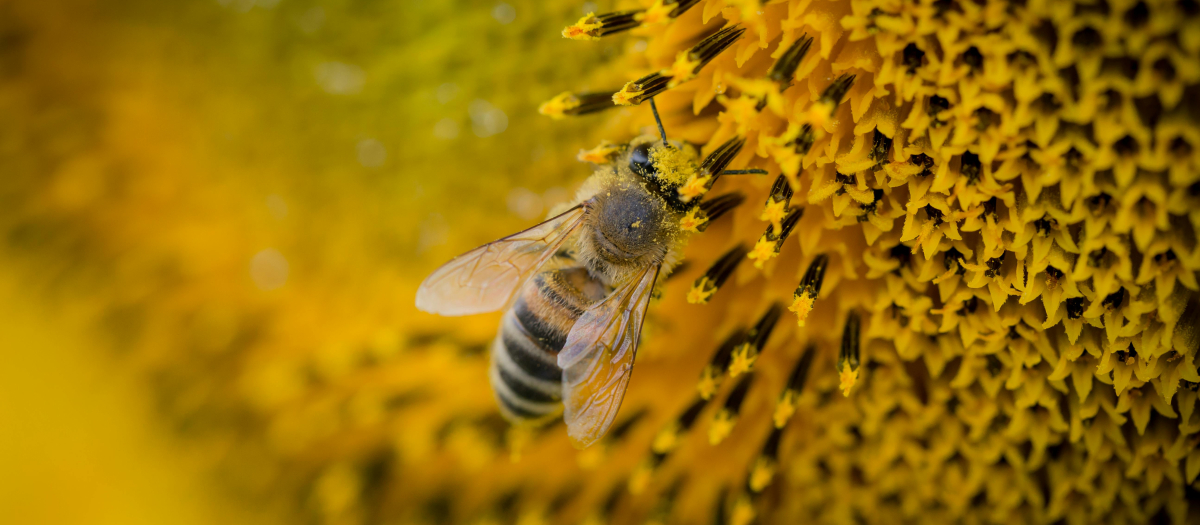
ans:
(744, 172)
(661, 132)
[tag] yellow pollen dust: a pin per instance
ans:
(763, 251)
(557, 107)
(601, 154)
(721, 426)
(819, 115)
(694, 187)
(760, 476)
(775, 211)
(846, 380)
(674, 165)
(625, 96)
(655, 13)
(710, 379)
(693, 221)
(591, 457)
(743, 360)
(640, 478)
(743, 512)
(584, 29)
(666, 439)
(785, 409)
(802, 305)
(683, 70)
(702, 291)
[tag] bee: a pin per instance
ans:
(575, 288)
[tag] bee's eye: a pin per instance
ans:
(639, 161)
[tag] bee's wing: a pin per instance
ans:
(597, 358)
(484, 279)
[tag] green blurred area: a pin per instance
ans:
(152, 152)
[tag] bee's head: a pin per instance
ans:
(662, 168)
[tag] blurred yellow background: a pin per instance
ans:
(211, 211)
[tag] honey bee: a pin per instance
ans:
(575, 289)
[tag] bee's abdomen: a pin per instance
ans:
(524, 369)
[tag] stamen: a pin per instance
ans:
(637, 91)
(689, 63)
(784, 70)
(686, 66)
(766, 464)
(848, 356)
(575, 104)
(714, 371)
(726, 418)
(777, 203)
(701, 215)
(772, 240)
(820, 112)
(747, 353)
(708, 284)
(668, 438)
(804, 140)
(710, 169)
(786, 407)
(593, 26)
(810, 286)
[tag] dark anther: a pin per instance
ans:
(1099, 202)
(1126, 146)
(985, 118)
(989, 207)
(785, 68)
(800, 372)
(845, 179)
(1113, 300)
(913, 57)
(953, 258)
(972, 304)
(814, 276)
(1075, 308)
(804, 140)
(973, 58)
(1087, 39)
(1054, 273)
(1044, 224)
(994, 365)
(1165, 69)
(838, 89)
(881, 146)
(937, 104)
(901, 253)
(934, 214)
(971, 167)
(993, 266)
(1138, 15)
(924, 160)
(1165, 257)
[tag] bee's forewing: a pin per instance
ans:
(597, 359)
(484, 279)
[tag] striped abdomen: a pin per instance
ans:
(524, 370)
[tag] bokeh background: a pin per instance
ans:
(212, 209)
